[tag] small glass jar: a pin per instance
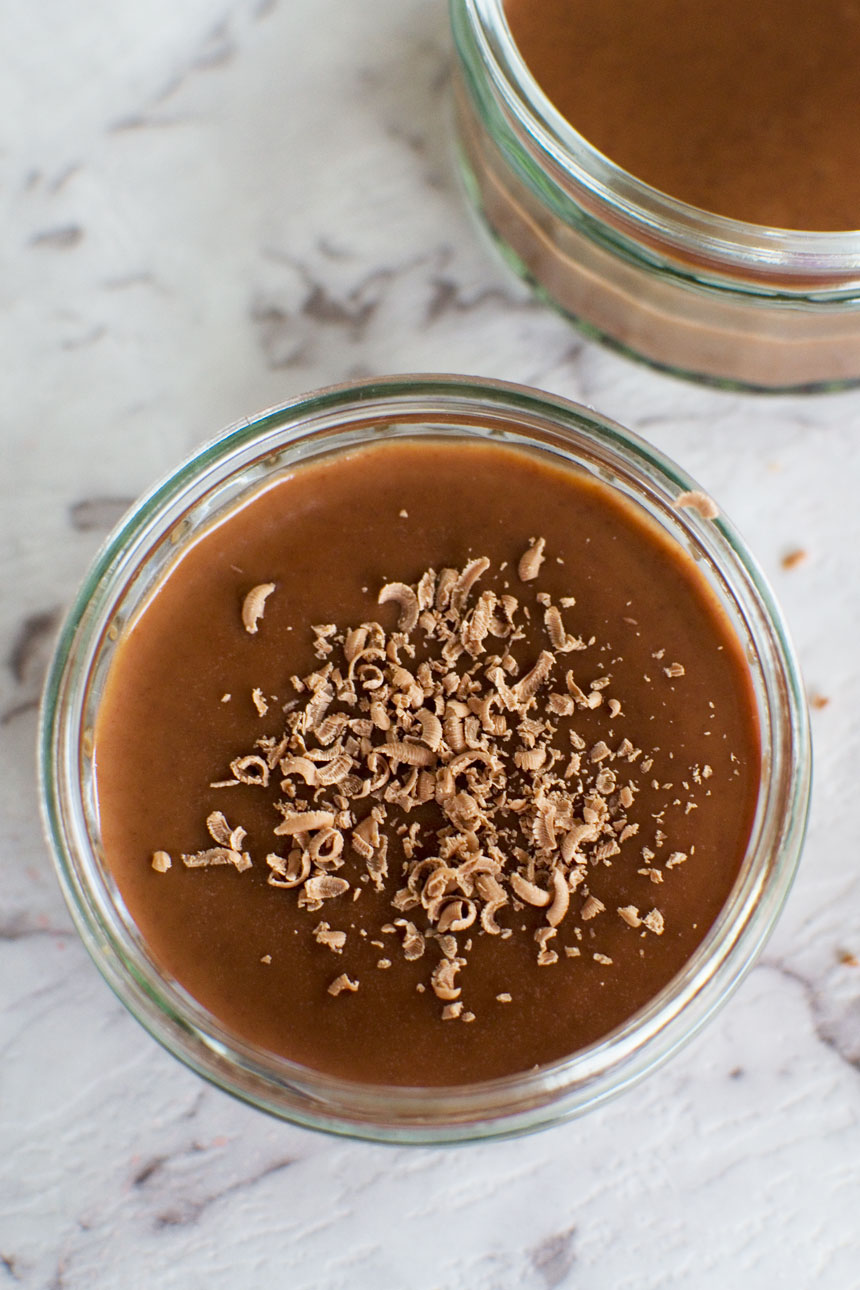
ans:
(696, 294)
(145, 546)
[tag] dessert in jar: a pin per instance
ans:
(422, 773)
(659, 176)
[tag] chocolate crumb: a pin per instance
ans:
(654, 922)
(792, 559)
(333, 940)
(591, 908)
(341, 983)
(699, 502)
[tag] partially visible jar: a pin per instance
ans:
(700, 295)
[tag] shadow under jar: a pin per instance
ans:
(638, 672)
(699, 294)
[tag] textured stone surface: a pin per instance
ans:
(210, 210)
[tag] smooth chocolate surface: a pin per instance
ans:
(329, 535)
(744, 110)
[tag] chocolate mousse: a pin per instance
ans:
(742, 110)
(430, 762)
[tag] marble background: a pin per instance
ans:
(210, 206)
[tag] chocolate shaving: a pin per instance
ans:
(699, 502)
(341, 983)
(530, 563)
(254, 605)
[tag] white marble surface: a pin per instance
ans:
(208, 208)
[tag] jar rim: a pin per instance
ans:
(813, 254)
(300, 430)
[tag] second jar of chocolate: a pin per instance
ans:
(700, 290)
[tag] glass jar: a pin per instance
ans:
(144, 547)
(692, 293)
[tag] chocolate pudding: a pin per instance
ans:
(742, 110)
(429, 763)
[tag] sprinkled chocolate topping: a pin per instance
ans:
(431, 740)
